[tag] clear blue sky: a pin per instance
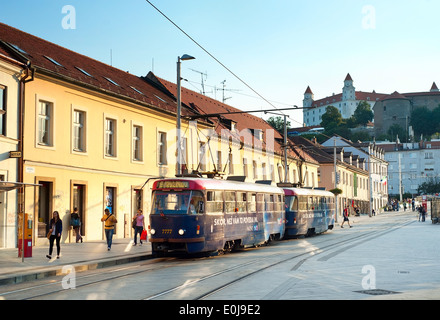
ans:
(277, 47)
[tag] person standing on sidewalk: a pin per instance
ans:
(55, 232)
(109, 227)
(75, 222)
(139, 226)
(346, 217)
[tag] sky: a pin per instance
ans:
(265, 52)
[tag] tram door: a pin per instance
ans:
(79, 196)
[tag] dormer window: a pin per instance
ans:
(85, 72)
(111, 81)
(54, 61)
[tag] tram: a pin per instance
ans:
(308, 211)
(194, 215)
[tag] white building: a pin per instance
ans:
(411, 164)
(10, 70)
(346, 102)
(376, 165)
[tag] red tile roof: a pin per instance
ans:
(57, 61)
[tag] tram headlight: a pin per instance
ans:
(181, 232)
(152, 231)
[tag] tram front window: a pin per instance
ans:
(291, 203)
(186, 202)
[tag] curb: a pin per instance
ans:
(79, 266)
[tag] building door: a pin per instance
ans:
(79, 197)
(44, 198)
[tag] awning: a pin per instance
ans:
(9, 186)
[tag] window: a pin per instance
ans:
(45, 118)
(162, 148)
(84, 72)
(2, 110)
(79, 131)
(54, 61)
(137, 143)
(214, 204)
(202, 157)
(230, 202)
(110, 137)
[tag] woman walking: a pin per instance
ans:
(55, 232)
(139, 226)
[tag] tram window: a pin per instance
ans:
(196, 203)
(302, 203)
(241, 201)
(214, 202)
(291, 203)
(260, 202)
(269, 202)
(280, 202)
(230, 202)
(252, 202)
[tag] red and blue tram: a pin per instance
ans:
(193, 215)
(308, 211)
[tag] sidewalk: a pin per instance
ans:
(83, 256)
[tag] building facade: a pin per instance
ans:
(10, 73)
(346, 102)
(396, 108)
(410, 165)
(376, 165)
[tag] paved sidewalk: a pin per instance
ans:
(83, 256)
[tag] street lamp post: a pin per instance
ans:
(179, 106)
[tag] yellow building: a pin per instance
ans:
(94, 137)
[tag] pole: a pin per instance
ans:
(336, 179)
(285, 149)
(179, 106)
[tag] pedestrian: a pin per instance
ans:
(109, 226)
(420, 209)
(423, 213)
(55, 231)
(75, 222)
(345, 213)
(139, 226)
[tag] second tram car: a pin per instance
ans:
(194, 215)
(308, 211)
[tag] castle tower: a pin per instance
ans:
(434, 88)
(308, 98)
(348, 91)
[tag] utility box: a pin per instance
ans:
(25, 236)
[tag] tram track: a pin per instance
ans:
(216, 281)
(359, 239)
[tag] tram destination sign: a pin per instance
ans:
(171, 184)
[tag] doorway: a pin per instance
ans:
(79, 201)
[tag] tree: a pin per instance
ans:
(331, 119)
(363, 113)
(278, 123)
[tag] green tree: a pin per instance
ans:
(331, 119)
(278, 123)
(363, 113)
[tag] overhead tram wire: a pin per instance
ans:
(212, 56)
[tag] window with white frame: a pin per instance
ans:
(2, 110)
(78, 131)
(137, 143)
(45, 123)
(110, 137)
(162, 148)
